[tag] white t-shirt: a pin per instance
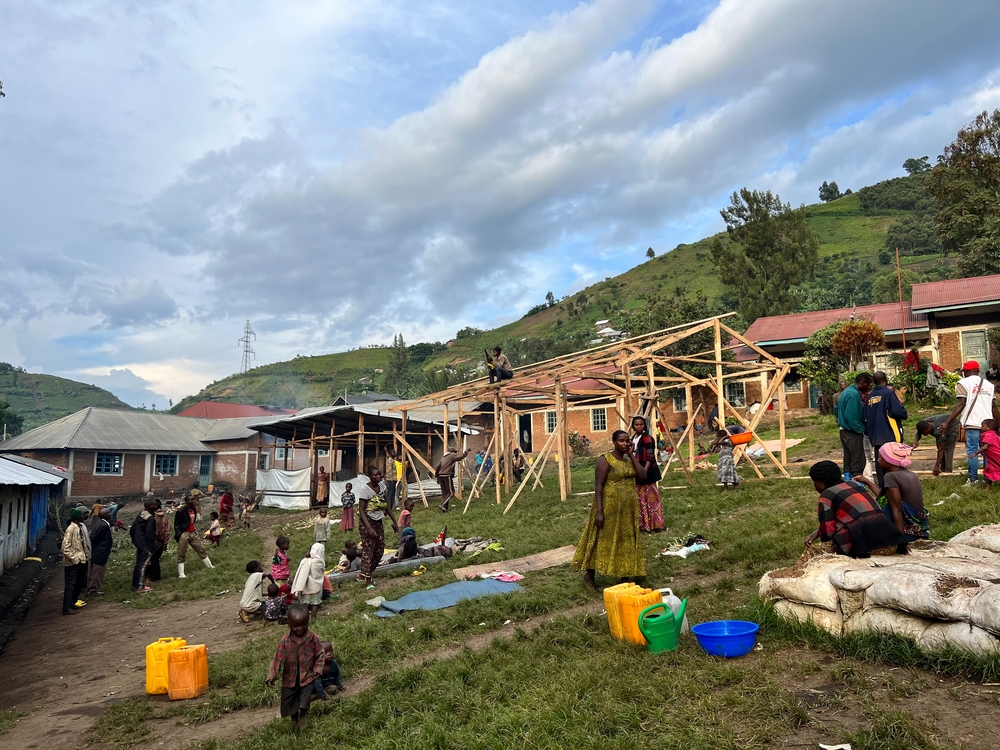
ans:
(376, 500)
(253, 592)
(978, 394)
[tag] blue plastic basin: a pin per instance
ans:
(728, 638)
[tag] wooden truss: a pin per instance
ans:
(639, 372)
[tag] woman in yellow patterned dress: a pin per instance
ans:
(610, 544)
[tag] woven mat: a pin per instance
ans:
(548, 559)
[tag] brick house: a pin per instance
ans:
(946, 320)
(118, 453)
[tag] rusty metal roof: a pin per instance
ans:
(798, 327)
(956, 293)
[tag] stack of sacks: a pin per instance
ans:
(941, 594)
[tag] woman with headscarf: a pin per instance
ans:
(610, 544)
(903, 492)
(650, 502)
(849, 517)
(308, 582)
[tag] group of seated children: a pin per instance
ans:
(263, 597)
(308, 669)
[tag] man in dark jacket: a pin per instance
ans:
(884, 416)
(186, 535)
(143, 533)
(100, 544)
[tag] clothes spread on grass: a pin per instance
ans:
(502, 575)
(683, 547)
(476, 544)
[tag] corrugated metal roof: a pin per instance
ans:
(57, 471)
(115, 429)
(800, 326)
(13, 472)
(935, 295)
(227, 410)
(233, 429)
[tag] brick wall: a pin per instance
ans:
(579, 420)
(133, 480)
(949, 347)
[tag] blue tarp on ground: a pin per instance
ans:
(446, 596)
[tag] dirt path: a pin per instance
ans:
(65, 671)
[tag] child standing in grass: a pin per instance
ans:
(299, 658)
(989, 449)
(309, 578)
(321, 531)
(280, 569)
(347, 515)
(215, 530)
(726, 472)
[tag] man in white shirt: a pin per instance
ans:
(976, 402)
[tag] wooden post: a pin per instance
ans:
(561, 429)
(781, 417)
(565, 440)
(314, 463)
(692, 413)
(405, 463)
(498, 438)
(361, 443)
(508, 458)
(472, 492)
(460, 443)
(676, 448)
(628, 393)
(719, 375)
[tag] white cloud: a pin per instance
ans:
(339, 171)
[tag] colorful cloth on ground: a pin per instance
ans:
(726, 470)
(650, 508)
(616, 549)
(851, 519)
(989, 443)
(299, 662)
(372, 546)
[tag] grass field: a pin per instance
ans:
(567, 683)
(40, 399)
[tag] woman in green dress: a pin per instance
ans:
(610, 544)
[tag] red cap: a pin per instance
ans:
(970, 365)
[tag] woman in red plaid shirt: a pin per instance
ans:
(300, 659)
(849, 517)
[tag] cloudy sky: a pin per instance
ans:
(337, 171)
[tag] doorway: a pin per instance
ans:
(205, 471)
(524, 432)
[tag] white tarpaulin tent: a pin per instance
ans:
(337, 488)
(288, 490)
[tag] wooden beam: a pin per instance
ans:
(498, 434)
(692, 414)
(524, 482)
(460, 442)
(473, 492)
(680, 458)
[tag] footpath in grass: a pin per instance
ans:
(567, 682)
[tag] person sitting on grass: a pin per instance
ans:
(308, 582)
(407, 514)
(215, 529)
(275, 608)
(849, 517)
(351, 561)
(252, 601)
(299, 658)
(329, 680)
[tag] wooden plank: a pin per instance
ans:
(498, 432)
(540, 561)
(472, 492)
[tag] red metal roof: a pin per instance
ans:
(955, 292)
(224, 410)
(800, 326)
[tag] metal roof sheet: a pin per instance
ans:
(233, 429)
(951, 293)
(57, 471)
(800, 326)
(13, 472)
(227, 410)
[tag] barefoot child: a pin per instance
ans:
(300, 659)
(329, 680)
(726, 471)
(280, 570)
(989, 448)
(321, 531)
(347, 514)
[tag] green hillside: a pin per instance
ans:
(40, 399)
(852, 230)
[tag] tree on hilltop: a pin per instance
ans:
(650, 253)
(966, 183)
(771, 249)
(10, 421)
(397, 373)
(916, 166)
(829, 191)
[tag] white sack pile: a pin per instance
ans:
(941, 594)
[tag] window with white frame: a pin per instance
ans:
(279, 453)
(165, 464)
(599, 420)
(322, 452)
(795, 387)
(109, 463)
(736, 394)
(263, 462)
(680, 402)
(550, 422)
